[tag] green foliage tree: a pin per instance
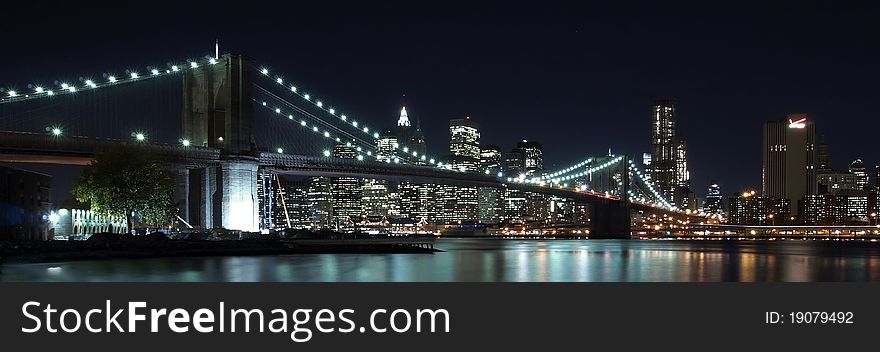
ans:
(125, 180)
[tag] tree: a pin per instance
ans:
(125, 180)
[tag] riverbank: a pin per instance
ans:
(50, 251)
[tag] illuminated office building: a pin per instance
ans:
(320, 200)
(490, 160)
(682, 175)
(857, 168)
(752, 209)
(380, 198)
(532, 156)
(491, 206)
(833, 181)
(345, 191)
(292, 206)
(646, 164)
(664, 148)
(714, 203)
(266, 199)
(386, 146)
(464, 138)
(790, 158)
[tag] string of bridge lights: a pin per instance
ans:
(286, 104)
(568, 175)
(64, 87)
(326, 134)
(541, 181)
(650, 186)
(317, 130)
(569, 169)
(293, 89)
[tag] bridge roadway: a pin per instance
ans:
(44, 148)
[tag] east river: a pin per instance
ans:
(502, 260)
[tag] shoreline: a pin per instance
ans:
(43, 252)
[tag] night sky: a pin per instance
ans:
(578, 78)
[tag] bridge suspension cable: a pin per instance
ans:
(408, 151)
(657, 195)
(568, 169)
(354, 138)
(314, 128)
(38, 91)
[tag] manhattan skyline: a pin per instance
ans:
(579, 79)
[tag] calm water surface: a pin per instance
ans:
(501, 260)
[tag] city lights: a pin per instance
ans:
(185, 142)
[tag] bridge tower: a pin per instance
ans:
(612, 219)
(218, 112)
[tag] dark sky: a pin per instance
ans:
(579, 78)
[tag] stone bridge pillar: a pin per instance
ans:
(238, 198)
(218, 112)
(610, 219)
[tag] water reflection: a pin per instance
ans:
(501, 260)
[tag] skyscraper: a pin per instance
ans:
(823, 158)
(714, 200)
(664, 147)
(464, 138)
(491, 207)
(532, 157)
(410, 138)
(320, 202)
(682, 175)
(386, 146)
(404, 199)
(294, 210)
(790, 159)
(380, 198)
(857, 167)
(345, 191)
(266, 199)
(513, 163)
(646, 164)
(456, 203)
(490, 159)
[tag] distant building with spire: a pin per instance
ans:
(402, 141)
(403, 121)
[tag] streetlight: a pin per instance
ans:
(139, 136)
